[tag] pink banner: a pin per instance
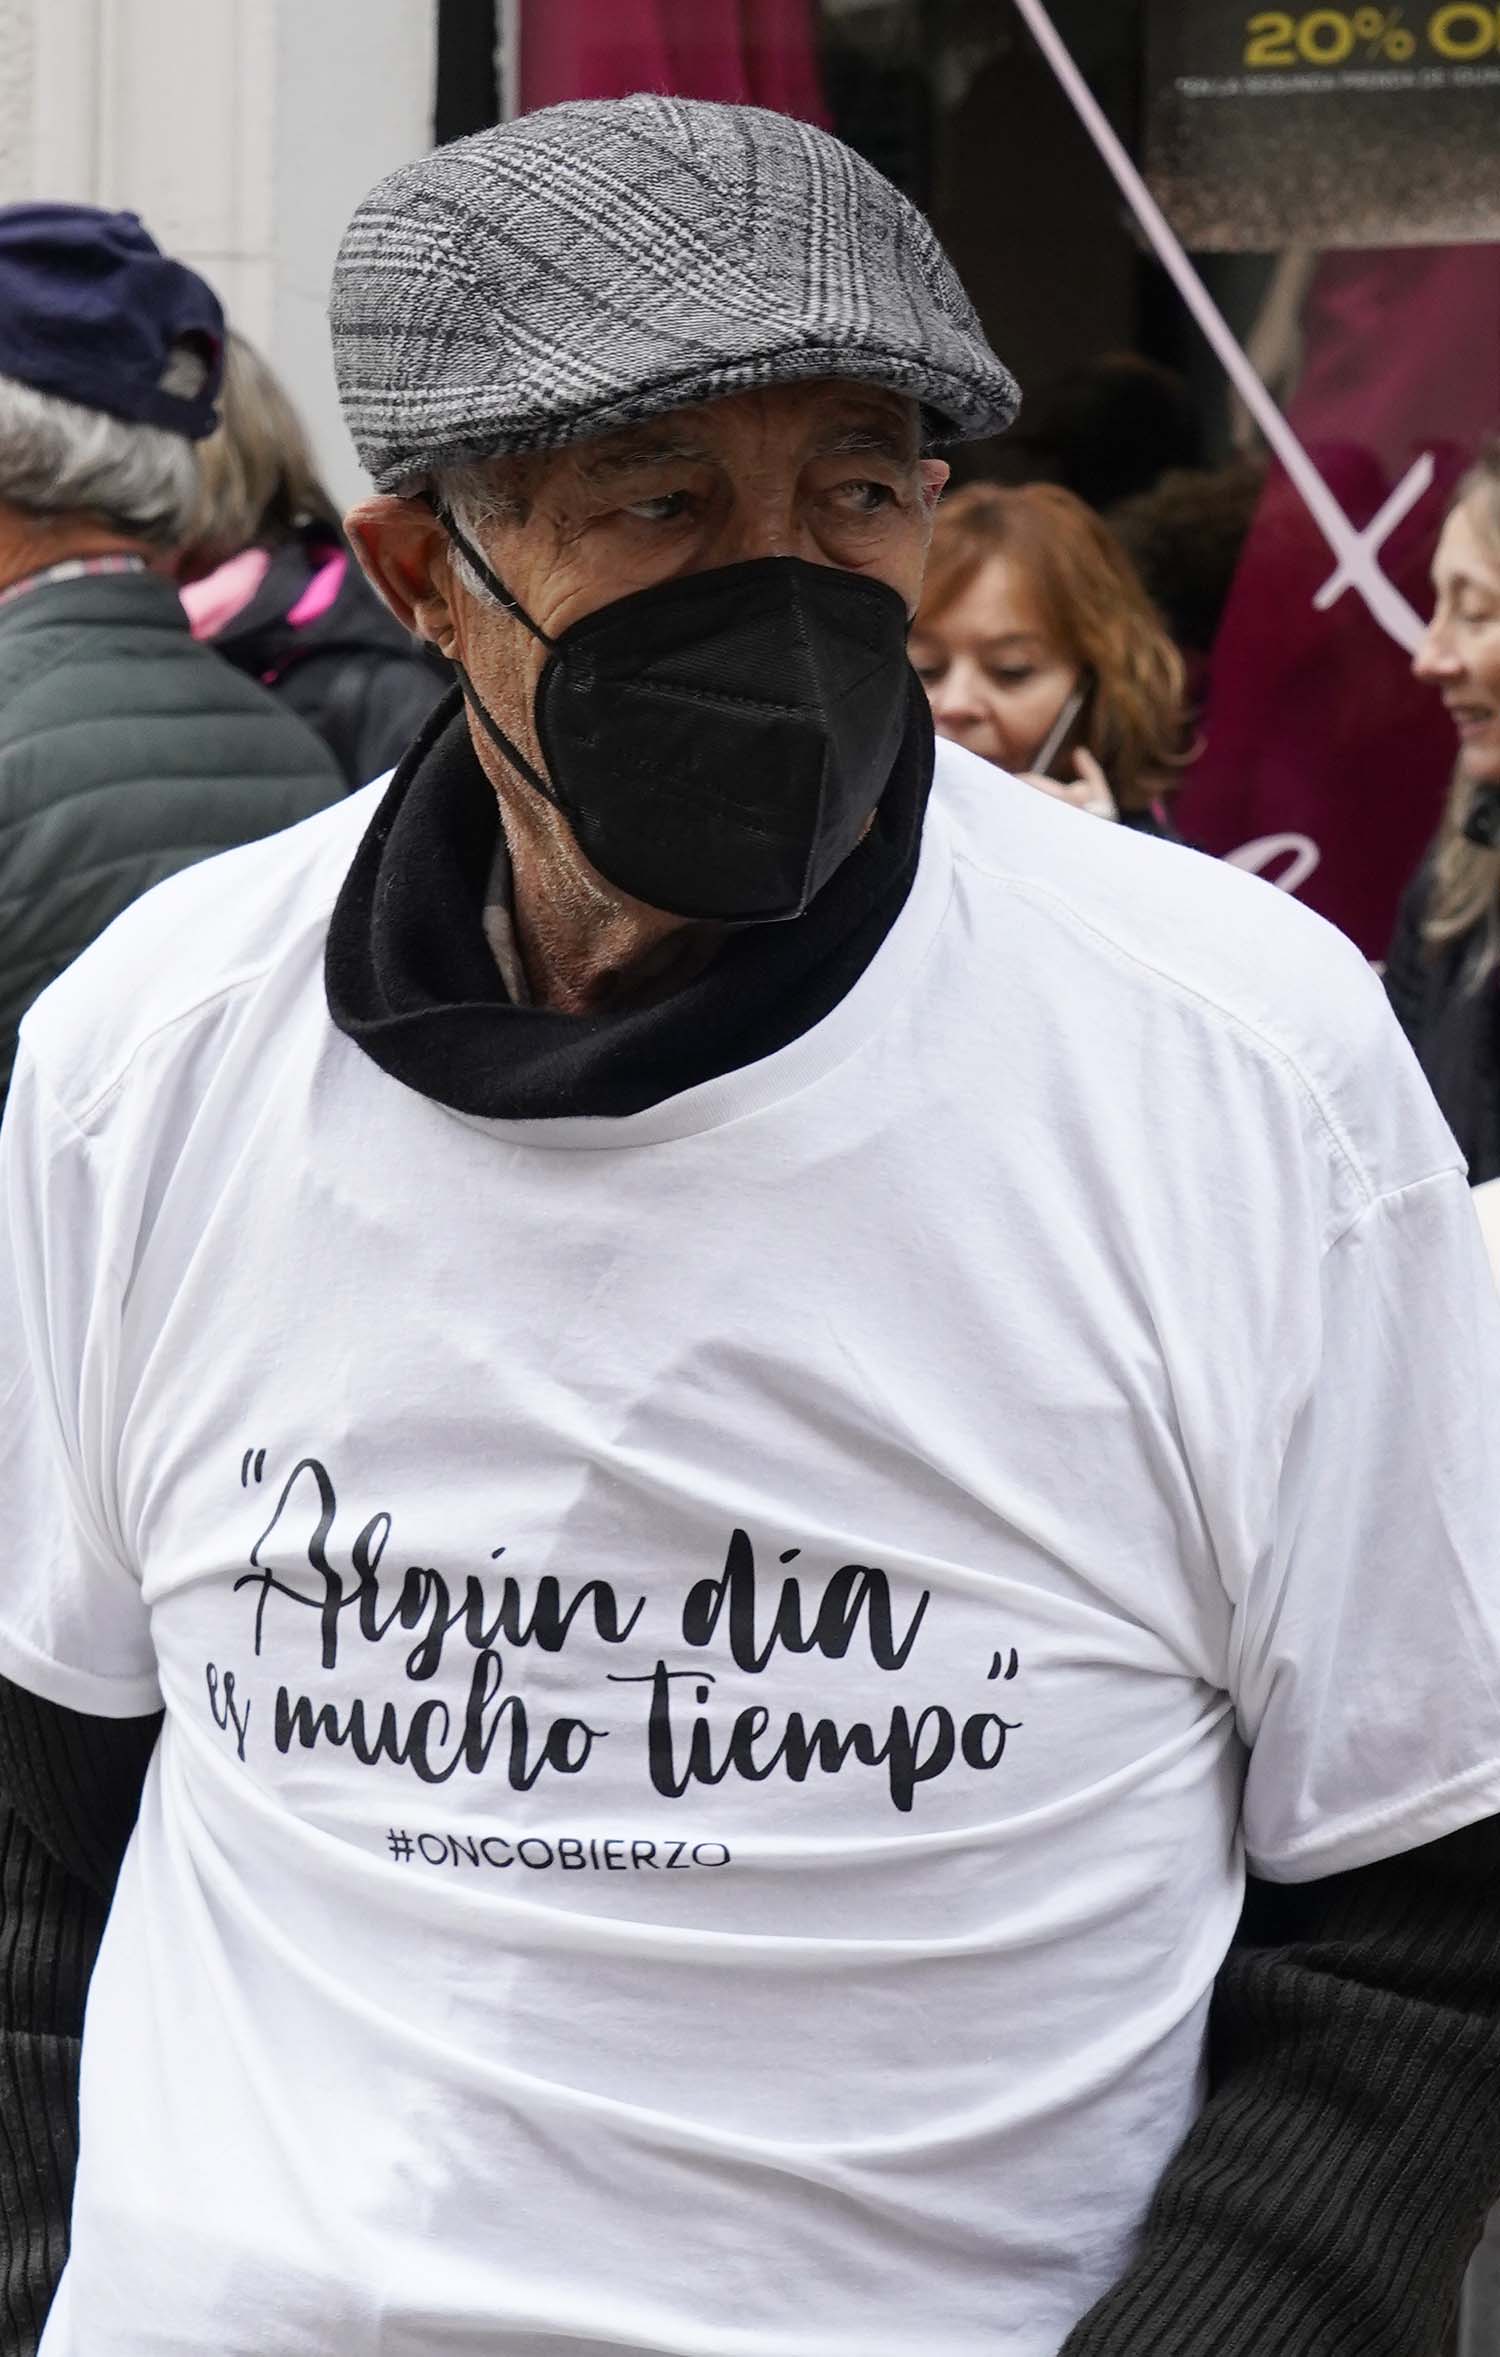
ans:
(1315, 728)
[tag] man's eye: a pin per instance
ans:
(866, 499)
(666, 508)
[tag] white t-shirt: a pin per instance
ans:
(717, 1663)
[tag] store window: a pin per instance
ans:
(1330, 172)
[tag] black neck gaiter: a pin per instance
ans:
(412, 981)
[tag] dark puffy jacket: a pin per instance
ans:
(318, 635)
(126, 752)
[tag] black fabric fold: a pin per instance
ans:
(1326, 2199)
(70, 1788)
(411, 979)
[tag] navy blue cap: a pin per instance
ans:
(91, 309)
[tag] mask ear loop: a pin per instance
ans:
(512, 605)
(481, 567)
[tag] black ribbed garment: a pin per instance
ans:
(1327, 2198)
(69, 1791)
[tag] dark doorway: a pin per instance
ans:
(467, 93)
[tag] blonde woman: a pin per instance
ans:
(269, 582)
(1041, 652)
(1443, 973)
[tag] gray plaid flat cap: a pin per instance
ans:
(601, 262)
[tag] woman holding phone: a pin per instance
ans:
(1041, 652)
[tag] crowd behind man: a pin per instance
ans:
(126, 751)
(941, 1172)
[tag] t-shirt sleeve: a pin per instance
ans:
(74, 1628)
(1366, 1661)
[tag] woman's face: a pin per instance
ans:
(1461, 651)
(995, 679)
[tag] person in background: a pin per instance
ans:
(1443, 971)
(1041, 652)
(269, 583)
(126, 752)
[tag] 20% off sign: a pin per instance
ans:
(1462, 32)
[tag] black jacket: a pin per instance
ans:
(126, 752)
(346, 667)
(1453, 1026)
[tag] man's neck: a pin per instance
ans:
(29, 544)
(585, 949)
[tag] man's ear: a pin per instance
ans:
(403, 551)
(934, 473)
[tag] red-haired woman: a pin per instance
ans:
(1041, 652)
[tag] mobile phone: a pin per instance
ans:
(1065, 735)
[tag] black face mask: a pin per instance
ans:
(718, 743)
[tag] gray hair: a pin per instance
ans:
(60, 459)
(479, 493)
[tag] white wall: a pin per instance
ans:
(242, 131)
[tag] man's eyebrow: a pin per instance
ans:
(619, 458)
(897, 441)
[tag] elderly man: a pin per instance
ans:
(125, 750)
(758, 1407)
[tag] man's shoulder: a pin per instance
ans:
(1198, 922)
(211, 931)
(1136, 924)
